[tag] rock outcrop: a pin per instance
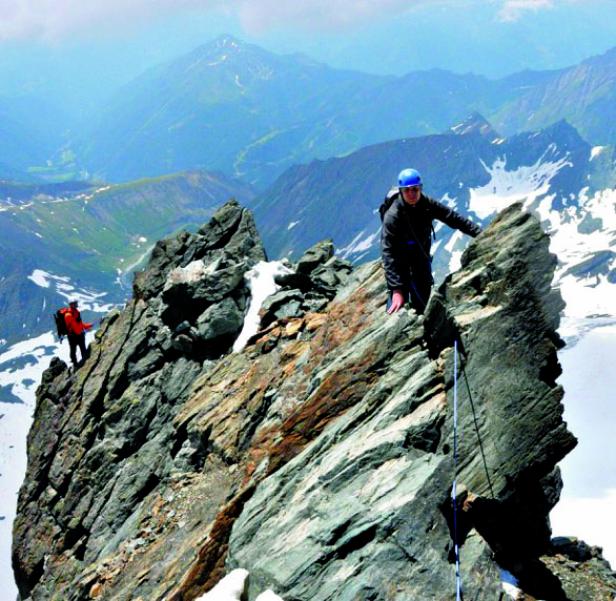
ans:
(320, 457)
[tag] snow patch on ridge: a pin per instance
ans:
(526, 183)
(193, 272)
(510, 585)
(596, 151)
(268, 595)
(584, 239)
(455, 261)
(261, 282)
(233, 587)
(39, 277)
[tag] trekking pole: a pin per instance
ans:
(459, 596)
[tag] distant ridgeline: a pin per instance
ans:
(99, 236)
(234, 107)
(319, 457)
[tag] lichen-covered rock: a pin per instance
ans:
(320, 458)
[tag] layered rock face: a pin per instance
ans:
(320, 458)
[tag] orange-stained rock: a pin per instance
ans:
(315, 321)
(293, 327)
(96, 591)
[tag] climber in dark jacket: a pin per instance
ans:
(406, 236)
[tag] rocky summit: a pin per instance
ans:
(320, 457)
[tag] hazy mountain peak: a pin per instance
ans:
(475, 124)
(605, 59)
(227, 41)
(564, 131)
(225, 47)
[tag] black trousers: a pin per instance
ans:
(74, 341)
(417, 292)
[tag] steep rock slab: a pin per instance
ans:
(363, 512)
(103, 438)
(141, 457)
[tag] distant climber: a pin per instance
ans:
(76, 332)
(406, 237)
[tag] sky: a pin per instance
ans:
(78, 53)
(53, 20)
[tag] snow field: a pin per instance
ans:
(89, 300)
(232, 588)
(526, 183)
(15, 422)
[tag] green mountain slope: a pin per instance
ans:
(227, 105)
(96, 237)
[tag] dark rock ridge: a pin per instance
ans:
(320, 457)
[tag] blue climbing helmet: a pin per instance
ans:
(408, 178)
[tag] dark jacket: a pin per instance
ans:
(406, 237)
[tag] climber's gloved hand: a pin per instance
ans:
(397, 302)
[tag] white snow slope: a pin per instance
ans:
(89, 300)
(261, 281)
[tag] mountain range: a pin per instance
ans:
(97, 236)
(234, 107)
